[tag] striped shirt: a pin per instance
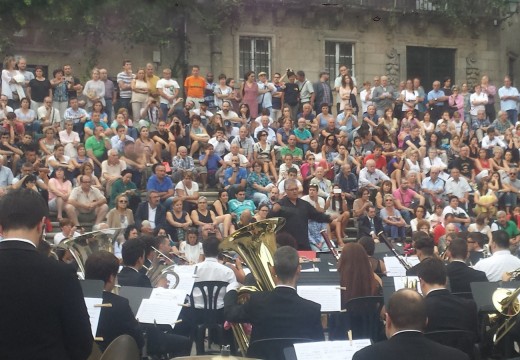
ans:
(127, 79)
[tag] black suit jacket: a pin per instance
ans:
(449, 312)
(117, 320)
(461, 275)
(129, 277)
(409, 345)
(44, 315)
(364, 225)
(142, 214)
(280, 313)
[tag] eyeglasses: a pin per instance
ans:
(122, 201)
(512, 173)
(202, 202)
(293, 189)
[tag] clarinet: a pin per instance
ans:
(333, 250)
(382, 237)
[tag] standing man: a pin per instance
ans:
(110, 94)
(297, 213)
(74, 86)
(323, 92)
(436, 99)
(168, 90)
(306, 90)
(383, 96)
(509, 98)
(47, 316)
(194, 86)
(124, 81)
(151, 80)
(209, 92)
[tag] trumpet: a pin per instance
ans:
(514, 275)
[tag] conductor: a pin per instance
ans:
(44, 315)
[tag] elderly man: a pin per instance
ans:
(480, 124)
(509, 98)
(371, 177)
(324, 184)
(245, 143)
(502, 123)
(87, 201)
(347, 182)
(458, 186)
(511, 185)
(151, 210)
(234, 150)
(508, 226)
(383, 96)
(48, 115)
(433, 188)
(264, 126)
(111, 169)
(436, 99)
(297, 213)
(162, 184)
(181, 163)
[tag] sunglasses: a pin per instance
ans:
(122, 201)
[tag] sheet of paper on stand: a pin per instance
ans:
(186, 278)
(93, 312)
(412, 282)
(329, 297)
(330, 350)
(174, 295)
(164, 312)
(395, 268)
(312, 269)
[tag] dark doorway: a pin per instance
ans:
(430, 64)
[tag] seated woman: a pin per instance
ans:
(191, 248)
(336, 206)
(420, 214)
(378, 266)
(178, 221)
(188, 191)
(206, 219)
(385, 189)
(198, 134)
(120, 216)
(118, 319)
(59, 159)
(59, 192)
(393, 222)
(124, 185)
(88, 169)
(361, 204)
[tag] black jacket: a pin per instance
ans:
(364, 228)
(461, 275)
(129, 277)
(409, 345)
(44, 315)
(142, 214)
(280, 313)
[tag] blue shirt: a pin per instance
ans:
(90, 124)
(242, 174)
(155, 184)
(435, 95)
(213, 161)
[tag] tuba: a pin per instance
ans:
(256, 245)
(81, 247)
(161, 272)
(507, 303)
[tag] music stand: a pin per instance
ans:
(319, 278)
(92, 288)
(135, 295)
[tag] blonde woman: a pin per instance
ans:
(120, 216)
(140, 93)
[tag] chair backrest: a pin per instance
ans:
(210, 291)
(460, 339)
(272, 348)
(464, 295)
(123, 347)
(362, 317)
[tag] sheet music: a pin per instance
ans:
(400, 282)
(328, 296)
(186, 278)
(394, 266)
(330, 350)
(312, 269)
(176, 295)
(161, 311)
(93, 312)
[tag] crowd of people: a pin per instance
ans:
(441, 164)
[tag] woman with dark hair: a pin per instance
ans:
(386, 188)
(420, 214)
(263, 150)
(59, 191)
(474, 147)
(97, 106)
(125, 185)
(261, 212)
(235, 95)
(347, 94)
(249, 91)
(215, 122)
(377, 265)
(60, 95)
(245, 116)
(130, 232)
(361, 204)
(38, 89)
(258, 183)
(179, 131)
(336, 206)
(356, 274)
(329, 149)
(222, 91)
(178, 221)
(485, 200)
(220, 206)
(191, 247)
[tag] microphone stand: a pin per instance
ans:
(381, 235)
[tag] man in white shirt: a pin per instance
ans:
(86, 200)
(490, 141)
(77, 115)
(70, 139)
(264, 126)
(228, 114)
(48, 115)
(211, 270)
(371, 177)
(457, 185)
(203, 112)
(168, 90)
(235, 151)
(509, 98)
(461, 216)
(501, 261)
(265, 91)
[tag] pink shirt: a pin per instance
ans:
(65, 186)
(405, 197)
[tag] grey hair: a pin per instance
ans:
(500, 213)
(289, 182)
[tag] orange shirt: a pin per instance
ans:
(194, 86)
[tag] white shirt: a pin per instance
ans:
(191, 252)
(60, 236)
(457, 188)
(364, 103)
(243, 160)
(495, 266)
(449, 210)
(508, 104)
(366, 177)
(66, 138)
(211, 270)
(490, 144)
(477, 97)
(168, 87)
(151, 216)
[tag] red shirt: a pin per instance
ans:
(438, 231)
(380, 163)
